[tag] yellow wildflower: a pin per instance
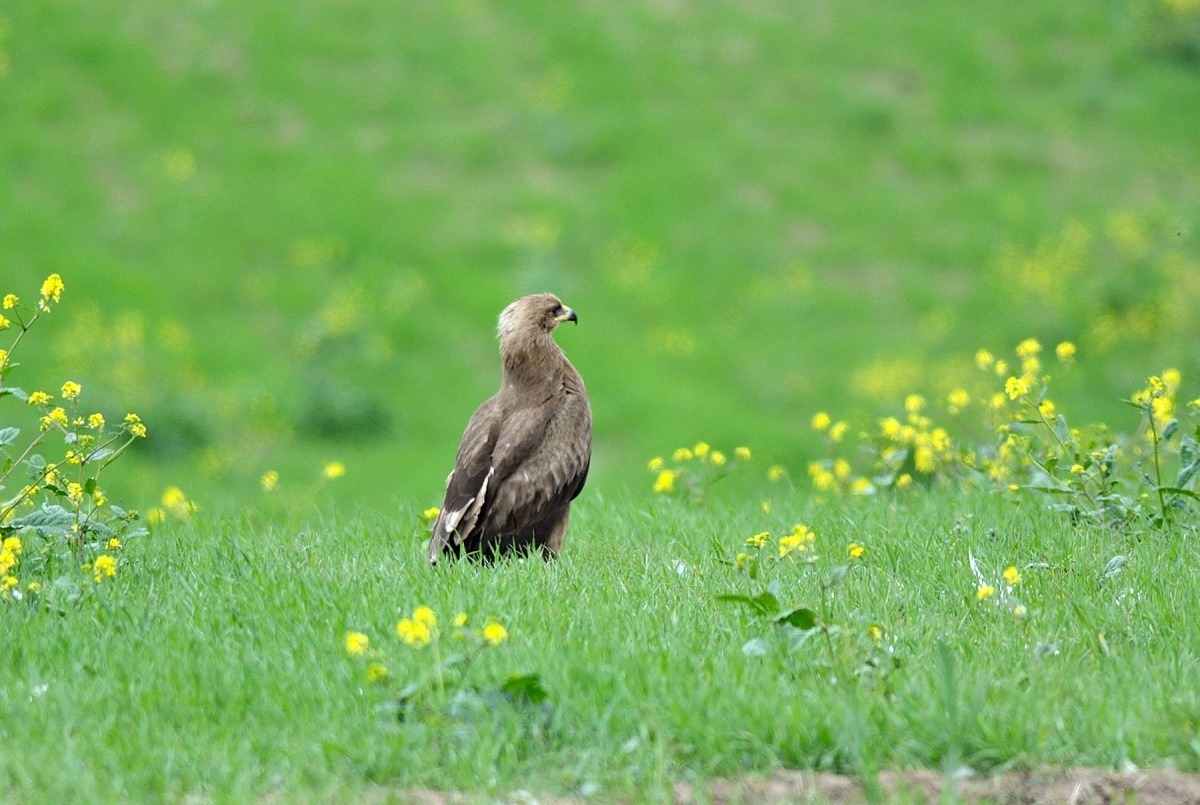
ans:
(984, 591)
(682, 454)
(10, 582)
(155, 515)
(1016, 387)
(105, 567)
(1019, 610)
(1012, 576)
(655, 464)
(52, 288)
(12, 544)
(357, 644)
(742, 453)
(765, 506)
(717, 458)
(71, 390)
(334, 469)
(875, 632)
(890, 428)
(984, 359)
(855, 550)
(958, 400)
(924, 459)
(4, 323)
(904, 480)
(10, 301)
(376, 672)
(759, 540)
(135, 425)
(460, 620)
(494, 634)
(413, 633)
(821, 420)
(425, 616)
(822, 479)
(1028, 348)
(1065, 351)
(431, 513)
(777, 473)
(999, 400)
(269, 480)
(799, 540)
(75, 493)
(1031, 366)
(95, 421)
(665, 482)
(700, 450)
(1001, 368)
(838, 431)
(1077, 469)
(1171, 378)
(914, 403)
(39, 398)
(1047, 409)
(114, 544)
(860, 486)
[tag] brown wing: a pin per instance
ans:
(466, 486)
(532, 485)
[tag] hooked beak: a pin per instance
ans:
(566, 314)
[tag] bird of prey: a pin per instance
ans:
(525, 453)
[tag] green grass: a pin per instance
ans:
(214, 662)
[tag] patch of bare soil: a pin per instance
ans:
(1069, 787)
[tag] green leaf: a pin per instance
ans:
(1187, 452)
(14, 391)
(1170, 428)
(526, 687)
(1114, 566)
(1061, 429)
(50, 520)
(100, 455)
(837, 576)
(1187, 474)
(756, 647)
(1174, 490)
(800, 617)
(9, 435)
(762, 604)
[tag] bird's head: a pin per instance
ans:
(530, 315)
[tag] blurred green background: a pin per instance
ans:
(286, 229)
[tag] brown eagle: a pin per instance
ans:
(525, 453)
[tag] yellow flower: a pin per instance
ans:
(742, 453)
(799, 540)
(820, 420)
(1016, 387)
(1065, 351)
(958, 400)
(357, 644)
(334, 469)
(155, 515)
(765, 506)
(1077, 469)
(114, 544)
(105, 567)
(413, 633)
(1012, 576)
(682, 454)
(1019, 610)
(12, 544)
(95, 421)
(135, 425)
(701, 449)
(924, 460)
(4, 323)
(10, 582)
(1031, 366)
(665, 482)
(431, 513)
(1001, 368)
(425, 616)
(75, 493)
(39, 398)
(890, 428)
(984, 359)
(860, 486)
(904, 480)
(655, 464)
(71, 390)
(494, 634)
(913, 403)
(875, 632)
(777, 473)
(741, 560)
(269, 480)
(1047, 409)
(376, 672)
(460, 620)
(837, 431)
(52, 288)
(999, 400)
(759, 540)
(1028, 348)
(33, 587)
(855, 550)
(10, 301)
(717, 458)
(984, 591)
(1171, 378)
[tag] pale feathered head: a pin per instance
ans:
(531, 315)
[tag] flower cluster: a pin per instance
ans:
(692, 470)
(60, 511)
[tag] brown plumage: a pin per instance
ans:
(525, 453)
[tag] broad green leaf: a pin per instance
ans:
(1114, 566)
(9, 435)
(53, 520)
(1187, 474)
(837, 576)
(763, 604)
(100, 455)
(1170, 428)
(756, 647)
(14, 391)
(1174, 490)
(526, 687)
(1187, 452)
(800, 617)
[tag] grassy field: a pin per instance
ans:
(214, 663)
(285, 233)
